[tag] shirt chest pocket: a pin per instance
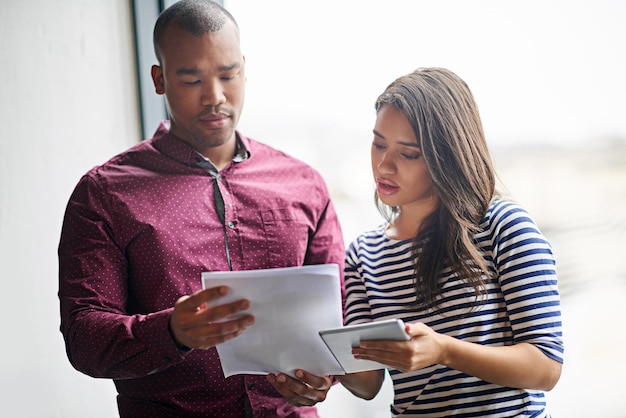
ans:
(286, 236)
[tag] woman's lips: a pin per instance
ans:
(386, 187)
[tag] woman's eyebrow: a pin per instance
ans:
(404, 143)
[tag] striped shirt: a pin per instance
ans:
(522, 305)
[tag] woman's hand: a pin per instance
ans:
(425, 348)
(519, 365)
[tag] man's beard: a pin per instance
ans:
(216, 139)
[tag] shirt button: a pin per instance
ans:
(251, 386)
(231, 225)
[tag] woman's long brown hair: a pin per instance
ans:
(446, 122)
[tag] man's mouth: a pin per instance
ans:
(214, 120)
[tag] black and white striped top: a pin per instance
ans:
(523, 305)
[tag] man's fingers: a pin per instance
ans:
(317, 382)
(201, 320)
(198, 299)
(192, 311)
(223, 312)
(308, 391)
(211, 335)
(207, 335)
(218, 329)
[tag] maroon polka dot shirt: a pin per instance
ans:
(138, 232)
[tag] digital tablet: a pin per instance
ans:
(341, 340)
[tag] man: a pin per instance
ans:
(199, 196)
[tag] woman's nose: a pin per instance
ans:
(385, 165)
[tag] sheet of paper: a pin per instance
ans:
(290, 305)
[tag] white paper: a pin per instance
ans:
(291, 305)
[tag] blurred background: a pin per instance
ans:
(549, 77)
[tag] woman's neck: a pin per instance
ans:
(408, 222)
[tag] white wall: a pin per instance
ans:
(68, 102)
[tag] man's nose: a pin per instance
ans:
(213, 94)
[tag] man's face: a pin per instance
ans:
(203, 79)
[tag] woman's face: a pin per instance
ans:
(402, 178)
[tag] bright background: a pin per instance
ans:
(549, 77)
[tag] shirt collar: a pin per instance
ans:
(179, 150)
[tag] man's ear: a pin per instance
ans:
(157, 79)
(244, 63)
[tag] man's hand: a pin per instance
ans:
(307, 391)
(195, 325)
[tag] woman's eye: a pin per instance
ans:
(411, 156)
(378, 146)
(192, 83)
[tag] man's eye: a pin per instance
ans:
(192, 83)
(230, 75)
(378, 146)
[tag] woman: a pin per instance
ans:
(469, 272)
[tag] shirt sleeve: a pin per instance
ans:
(357, 304)
(526, 269)
(326, 245)
(102, 339)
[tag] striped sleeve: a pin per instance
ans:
(357, 306)
(526, 269)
